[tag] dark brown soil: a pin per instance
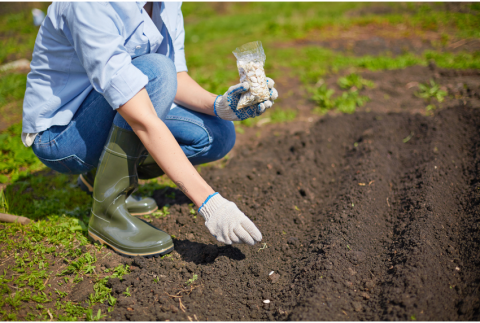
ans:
(371, 216)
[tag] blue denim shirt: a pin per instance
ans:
(85, 45)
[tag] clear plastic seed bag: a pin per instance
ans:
(250, 60)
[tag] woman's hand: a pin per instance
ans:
(225, 106)
(227, 223)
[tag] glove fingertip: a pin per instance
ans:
(273, 94)
(270, 82)
(268, 104)
(261, 108)
(253, 231)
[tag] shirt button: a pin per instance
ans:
(138, 47)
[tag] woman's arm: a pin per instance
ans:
(192, 96)
(160, 143)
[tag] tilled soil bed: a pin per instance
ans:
(364, 217)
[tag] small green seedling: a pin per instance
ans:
(97, 317)
(431, 91)
(263, 247)
(323, 97)
(347, 102)
(191, 280)
(407, 138)
(161, 213)
(127, 292)
(112, 300)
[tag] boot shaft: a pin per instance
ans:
(116, 176)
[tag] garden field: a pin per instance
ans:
(364, 178)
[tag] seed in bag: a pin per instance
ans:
(250, 60)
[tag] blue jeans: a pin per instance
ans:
(76, 147)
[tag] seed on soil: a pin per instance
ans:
(273, 277)
(266, 301)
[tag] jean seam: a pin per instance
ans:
(210, 139)
(60, 160)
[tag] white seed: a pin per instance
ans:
(259, 72)
(253, 79)
(254, 84)
(271, 273)
(267, 301)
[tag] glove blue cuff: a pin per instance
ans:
(208, 198)
(215, 108)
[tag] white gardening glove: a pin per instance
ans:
(227, 223)
(225, 106)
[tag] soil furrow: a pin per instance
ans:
(424, 271)
(352, 249)
(408, 242)
(357, 222)
(468, 240)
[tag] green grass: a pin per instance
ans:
(62, 214)
(211, 37)
(16, 161)
(310, 62)
(12, 87)
(354, 80)
(18, 34)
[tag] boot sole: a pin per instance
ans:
(87, 188)
(96, 238)
(145, 213)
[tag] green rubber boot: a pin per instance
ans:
(148, 168)
(136, 205)
(116, 179)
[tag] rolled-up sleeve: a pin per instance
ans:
(95, 31)
(179, 44)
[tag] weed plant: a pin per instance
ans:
(431, 91)
(347, 102)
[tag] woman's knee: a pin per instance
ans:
(224, 137)
(154, 65)
(162, 80)
(203, 138)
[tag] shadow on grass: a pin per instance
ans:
(45, 193)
